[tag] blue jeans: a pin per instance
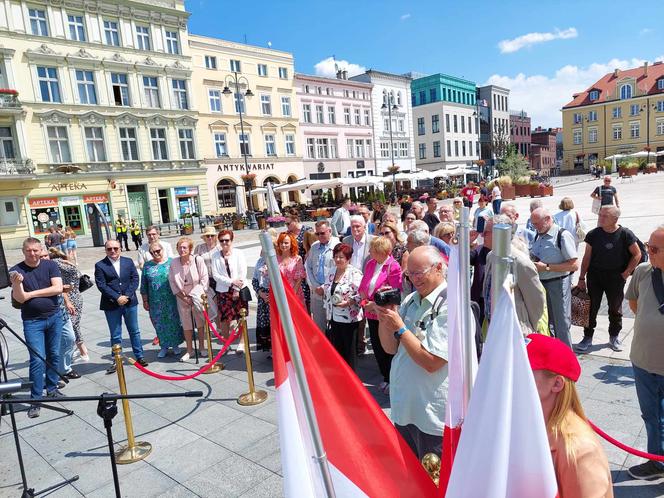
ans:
(130, 315)
(67, 346)
(650, 392)
(496, 205)
(43, 335)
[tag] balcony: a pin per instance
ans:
(9, 102)
(124, 166)
(16, 167)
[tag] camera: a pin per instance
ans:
(389, 296)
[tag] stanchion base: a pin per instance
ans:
(255, 398)
(217, 367)
(127, 455)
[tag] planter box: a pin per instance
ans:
(627, 172)
(650, 169)
(277, 224)
(508, 193)
(238, 225)
(187, 230)
(522, 190)
(262, 224)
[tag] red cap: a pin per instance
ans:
(548, 353)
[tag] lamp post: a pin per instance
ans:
(234, 79)
(476, 115)
(388, 103)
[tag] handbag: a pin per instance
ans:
(245, 294)
(85, 283)
(597, 204)
(580, 307)
(580, 229)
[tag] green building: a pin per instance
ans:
(442, 88)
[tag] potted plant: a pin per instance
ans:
(187, 227)
(277, 221)
(248, 179)
(239, 222)
(522, 186)
(321, 214)
(507, 190)
(650, 168)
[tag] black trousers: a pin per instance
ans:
(137, 240)
(612, 284)
(383, 359)
(122, 237)
(343, 337)
(420, 442)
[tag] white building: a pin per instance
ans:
(392, 89)
(497, 101)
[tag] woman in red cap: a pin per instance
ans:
(582, 470)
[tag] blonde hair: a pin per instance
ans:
(189, 242)
(444, 228)
(566, 203)
(381, 245)
(393, 228)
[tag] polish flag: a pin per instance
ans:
(457, 382)
(504, 449)
(365, 453)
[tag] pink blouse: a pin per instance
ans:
(293, 270)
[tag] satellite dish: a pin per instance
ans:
(269, 44)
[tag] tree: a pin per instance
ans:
(500, 142)
(513, 164)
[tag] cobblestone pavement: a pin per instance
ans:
(215, 447)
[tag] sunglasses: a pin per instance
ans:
(209, 236)
(652, 249)
(156, 251)
(321, 233)
(112, 249)
(388, 232)
(225, 241)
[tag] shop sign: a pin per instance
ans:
(95, 198)
(69, 201)
(43, 202)
(241, 168)
(185, 191)
(58, 187)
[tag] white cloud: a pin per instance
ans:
(645, 31)
(542, 96)
(530, 39)
(404, 17)
(326, 67)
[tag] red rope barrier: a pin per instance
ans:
(624, 447)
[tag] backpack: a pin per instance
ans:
(559, 238)
(628, 255)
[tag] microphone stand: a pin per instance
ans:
(3, 324)
(107, 409)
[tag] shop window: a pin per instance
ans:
(226, 194)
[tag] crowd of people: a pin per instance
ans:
(378, 277)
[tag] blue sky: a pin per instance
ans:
(542, 51)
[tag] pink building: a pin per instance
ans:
(543, 150)
(335, 126)
(520, 132)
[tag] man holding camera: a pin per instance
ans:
(418, 378)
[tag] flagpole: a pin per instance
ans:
(464, 285)
(502, 250)
(277, 286)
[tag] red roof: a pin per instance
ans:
(646, 81)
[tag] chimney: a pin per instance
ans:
(344, 74)
(616, 72)
(645, 68)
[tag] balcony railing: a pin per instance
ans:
(124, 166)
(16, 166)
(9, 101)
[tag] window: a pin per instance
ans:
(367, 117)
(311, 148)
(358, 120)
(576, 134)
(432, 95)
(334, 152)
(617, 132)
(76, 28)
(270, 149)
(470, 124)
(420, 126)
(384, 149)
(447, 123)
(290, 145)
(422, 151)
(180, 94)
(283, 73)
(172, 42)
(6, 143)
(634, 129)
(143, 37)
(368, 150)
(322, 149)
(592, 135)
(577, 118)
(617, 112)
(319, 90)
(245, 147)
(48, 84)
(448, 145)
(186, 137)
(239, 102)
(306, 88)
(594, 95)
(399, 99)
(463, 124)
(120, 89)
(436, 148)
(94, 144)
(215, 100)
(625, 92)
(359, 148)
(592, 115)
(403, 149)
(236, 67)
(463, 148)
(400, 125)
(266, 105)
(112, 33)
(9, 213)
(320, 118)
(347, 115)
(423, 97)
(38, 24)
(660, 84)
(151, 90)
(660, 127)
(454, 119)
(285, 106)
(306, 113)
(634, 110)
(331, 116)
(456, 148)
(86, 87)
(262, 69)
(158, 142)
(210, 62)
(129, 144)
(220, 147)
(660, 106)
(58, 143)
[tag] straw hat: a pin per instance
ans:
(208, 230)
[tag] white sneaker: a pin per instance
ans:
(185, 358)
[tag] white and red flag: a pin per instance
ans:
(503, 450)
(366, 455)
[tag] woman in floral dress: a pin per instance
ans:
(261, 284)
(290, 263)
(159, 301)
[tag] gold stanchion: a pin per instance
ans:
(219, 366)
(134, 451)
(253, 397)
(431, 463)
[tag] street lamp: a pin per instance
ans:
(234, 80)
(388, 103)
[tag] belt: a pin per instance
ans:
(555, 278)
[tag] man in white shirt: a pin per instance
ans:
(359, 240)
(152, 235)
(341, 219)
(318, 265)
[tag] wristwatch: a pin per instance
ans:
(547, 268)
(399, 333)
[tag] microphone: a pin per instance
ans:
(14, 387)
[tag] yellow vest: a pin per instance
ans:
(135, 229)
(120, 227)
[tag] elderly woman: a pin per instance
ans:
(568, 218)
(297, 230)
(290, 263)
(205, 250)
(342, 304)
(389, 229)
(261, 284)
(159, 301)
(229, 271)
(188, 278)
(457, 205)
(445, 232)
(410, 217)
(381, 272)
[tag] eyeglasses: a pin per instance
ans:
(225, 241)
(653, 249)
(156, 251)
(321, 233)
(111, 249)
(209, 236)
(386, 233)
(418, 274)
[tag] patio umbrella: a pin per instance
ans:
(272, 205)
(361, 181)
(642, 153)
(240, 201)
(298, 185)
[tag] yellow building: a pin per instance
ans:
(265, 95)
(104, 115)
(622, 113)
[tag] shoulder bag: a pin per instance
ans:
(85, 283)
